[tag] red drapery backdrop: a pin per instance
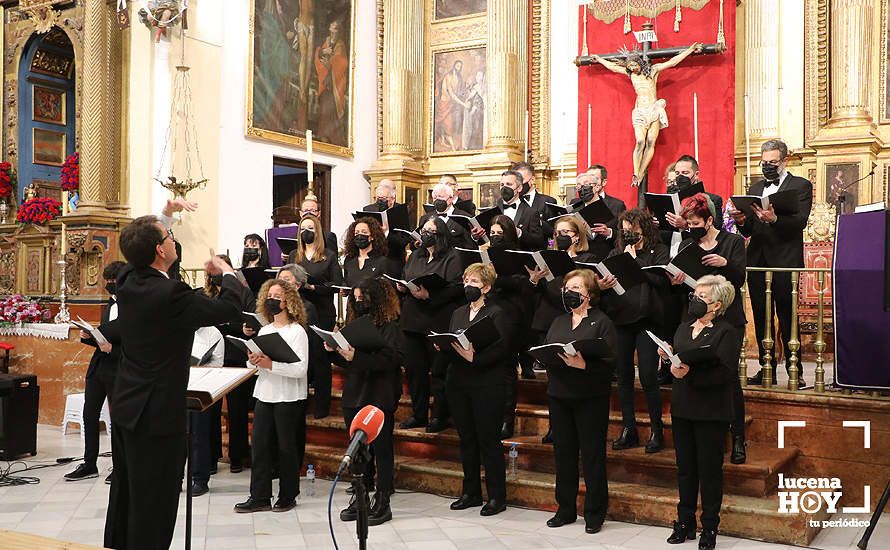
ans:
(611, 98)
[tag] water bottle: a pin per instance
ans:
(310, 477)
(514, 459)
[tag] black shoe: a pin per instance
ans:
(493, 507)
(656, 441)
(507, 429)
(82, 472)
(200, 488)
(682, 533)
(321, 414)
(738, 455)
(284, 506)
(548, 437)
(108, 479)
(437, 425)
(254, 505)
(236, 466)
(628, 438)
(558, 521)
(528, 373)
(757, 379)
(593, 528)
(707, 540)
(350, 513)
(466, 501)
(412, 423)
(380, 510)
(213, 468)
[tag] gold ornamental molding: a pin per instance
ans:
(816, 94)
(539, 84)
(459, 29)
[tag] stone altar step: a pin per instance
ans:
(742, 516)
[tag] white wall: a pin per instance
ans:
(564, 82)
(245, 165)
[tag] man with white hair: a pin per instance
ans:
(467, 206)
(443, 206)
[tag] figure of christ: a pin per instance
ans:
(304, 29)
(450, 107)
(649, 115)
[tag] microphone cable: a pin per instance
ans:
(330, 504)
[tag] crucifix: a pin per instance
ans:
(649, 115)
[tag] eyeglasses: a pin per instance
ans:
(169, 235)
(428, 232)
(566, 232)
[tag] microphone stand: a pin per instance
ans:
(357, 468)
(842, 192)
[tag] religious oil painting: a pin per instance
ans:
(459, 96)
(49, 147)
(457, 8)
(489, 193)
(300, 75)
(49, 105)
(411, 194)
(841, 182)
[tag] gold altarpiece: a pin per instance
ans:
(29, 254)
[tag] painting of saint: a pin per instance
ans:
(456, 8)
(300, 72)
(842, 183)
(459, 95)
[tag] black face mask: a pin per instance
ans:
(672, 188)
(110, 287)
(440, 205)
(629, 237)
(571, 299)
(770, 172)
(472, 293)
(216, 280)
(382, 204)
(428, 239)
(273, 306)
(251, 254)
(698, 233)
(586, 193)
(697, 307)
(497, 240)
(308, 237)
(682, 182)
(507, 193)
(362, 241)
(563, 242)
(361, 307)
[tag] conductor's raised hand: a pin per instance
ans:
(178, 205)
(218, 264)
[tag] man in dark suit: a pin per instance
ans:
(443, 204)
(775, 241)
(534, 198)
(591, 187)
(99, 383)
(467, 206)
(687, 173)
(157, 318)
(396, 241)
(529, 221)
(310, 207)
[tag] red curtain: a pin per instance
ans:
(611, 98)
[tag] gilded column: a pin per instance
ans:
(851, 61)
(403, 47)
(96, 140)
(507, 74)
(762, 64)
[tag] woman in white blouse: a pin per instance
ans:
(281, 392)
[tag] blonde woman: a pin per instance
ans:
(281, 391)
(323, 269)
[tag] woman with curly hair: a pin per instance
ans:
(281, 392)
(366, 252)
(373, 377)
(639, 309)
(323, 269)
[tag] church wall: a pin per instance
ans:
(564, 95)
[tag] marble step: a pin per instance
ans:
(742, 516)
(757, 477)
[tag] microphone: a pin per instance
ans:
(364, 429)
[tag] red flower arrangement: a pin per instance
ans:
(7, 179)
(39, 210)
(71, 173)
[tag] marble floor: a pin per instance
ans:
(75, 511)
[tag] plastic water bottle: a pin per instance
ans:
(514, 459)
(310, 477)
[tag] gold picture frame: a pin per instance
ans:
(293, 135)
(443, 62)
(49, 147)
(48, 104)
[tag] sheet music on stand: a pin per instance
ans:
(207, 385)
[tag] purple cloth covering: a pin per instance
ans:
(862, 346)
(289, 232)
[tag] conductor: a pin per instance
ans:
(157, 318)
